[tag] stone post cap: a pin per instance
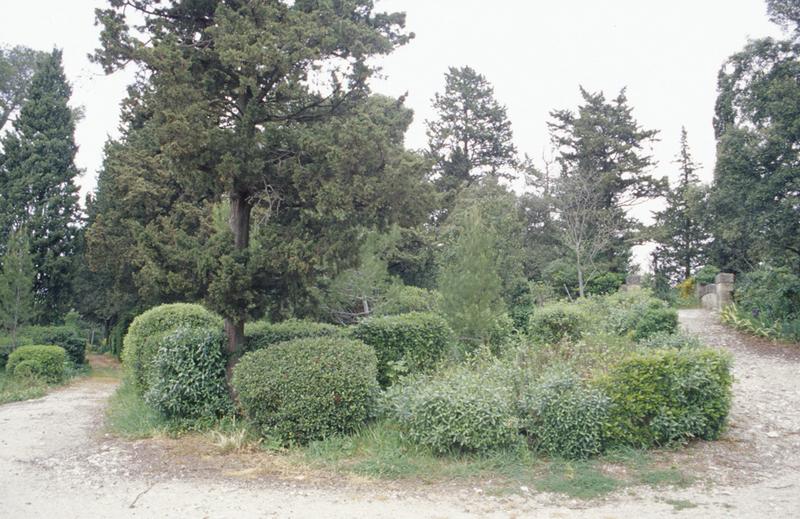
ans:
(724, 277)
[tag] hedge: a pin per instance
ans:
(553, 323)
(144, 336)
(405, 344)
(189, 370)
(667, 396)
(40, 361)
(65, 336)
(308, 389)
(262, 334)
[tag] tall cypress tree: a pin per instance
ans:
(681, 227)
(38, 180)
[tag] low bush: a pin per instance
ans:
(402, 299)
(65, 336)
(262, 334)
(655, 320)
(563, 417)
(552, 323)
(606, 283)
(666, 396)
(707, 275)
(770, 297)
(666, 340)
(460, 410)
(189, 370)
(145, 333)
(308, 389)
(414, 341)
(40, 361)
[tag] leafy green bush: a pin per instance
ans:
(189, 370)
(655, 320)
(563, 417)
(769, 295)
(416, 341)
(459, 410)
(707, 275)
(666, 340)
(552, 323)
(665, 396)
(402, 299)
(308, 389)
(145, 333)
(65, 336)
(605, 283)
(262, 334)
(44, 362)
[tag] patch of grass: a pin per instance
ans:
(582, 480)
(671, 476)
(128, 415)
(14, 389)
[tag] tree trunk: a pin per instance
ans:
(580, 282)
(234, 327)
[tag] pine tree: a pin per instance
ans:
(16, 284)
(680, 229)
(38, 179)
(469, 282)
(471, 137)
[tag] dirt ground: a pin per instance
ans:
(57, 461)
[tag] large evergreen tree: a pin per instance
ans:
(755, 196)
(680, 229)
(38, 185)
(17, 65)
(471, 136)
(242, 91)
(16, 284)
(605, 147)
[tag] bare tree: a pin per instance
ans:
(587, 227)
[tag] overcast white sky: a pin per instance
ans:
(535, 53)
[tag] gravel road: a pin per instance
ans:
(57, 462)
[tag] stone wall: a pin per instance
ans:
(718, 294)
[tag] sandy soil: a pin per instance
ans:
(56, 461)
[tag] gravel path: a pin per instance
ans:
(55, 461)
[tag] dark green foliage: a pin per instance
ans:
(37, 179)
(44, 362)
(408, 343)
(681, 229)
(605, 283)
(707, 275)
(553, 323)
(145, 333)
(471, 137)
(402, 299)
(655, 320)
(262, 334)
(64, 336)
(460, 410)
(667, 396)
(189, 374)
(308, 389)
(563, 417)
(770, 297)
(16, 284)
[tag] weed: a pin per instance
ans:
(680, 504)
(582, 480)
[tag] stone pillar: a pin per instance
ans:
(724, 283)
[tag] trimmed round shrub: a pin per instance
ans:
(655, 320)
(65, 336)
(563, 417)
(707, 275)
(667, 396)
(416, 341)
(553, 323)
(189, 370)
(262, 334)
(308, 389)
(145, 333)
(402, 299)
(41, 361)
(461, 410)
